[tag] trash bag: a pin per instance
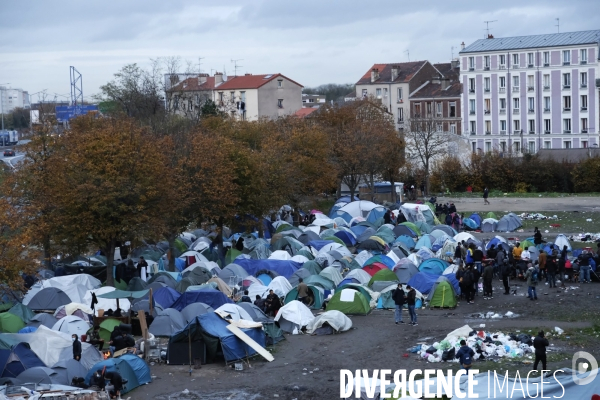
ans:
(431, 350)
(448, 355)
(525, 338)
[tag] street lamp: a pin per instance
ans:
(2, 102)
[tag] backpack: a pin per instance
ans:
(534, 275)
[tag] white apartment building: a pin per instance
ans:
(11, 98)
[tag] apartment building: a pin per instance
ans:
(522, 94)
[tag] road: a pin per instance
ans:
(536, 204)
(12, 161)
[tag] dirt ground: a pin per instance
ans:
(308, 367)
(530, 204)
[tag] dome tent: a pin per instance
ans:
(349, 301)
(442, 294)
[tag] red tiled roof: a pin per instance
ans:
(303, 112)
(250, 81)
(192, 85)
(405, 74)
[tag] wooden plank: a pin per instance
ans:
(250, 342)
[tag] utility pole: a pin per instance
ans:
(236, 66)
(408, 55)
(487, 28)
(557, 25)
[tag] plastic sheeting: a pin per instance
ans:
(296, 314)
(212, 297)
(336, 319)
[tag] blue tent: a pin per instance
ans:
(319, 244)
(423, 282)
(265, 279)
(210, 326)
(129, 366)
(493, 241)
(166, 297)
(376, 213)
(346, 199)
(425, 241)
(347, 281)
(212, 297)
(406, 240)
(433, 266)
(358, 230)
(337, 213)
(469, 223)
(17, 359)
(284, 268)
(475, 217)
(28, 329)
(346, 237)
(388, 262)
(180, 264)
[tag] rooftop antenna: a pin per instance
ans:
(487, 28)
(408, 55)
(557, 25)
(200, 64)
(236, 66)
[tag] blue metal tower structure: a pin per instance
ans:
(76, 87)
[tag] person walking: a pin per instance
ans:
(562, 265)
(532, 280)
(486, 194)
(537, 236)
(411, 299)
(488, 277)
(399, 299)
(76, 347)
(465, 355)
(539, 344)
(468, 282)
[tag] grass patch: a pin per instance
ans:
(497, 194)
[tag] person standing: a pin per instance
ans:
(457, 254)
(551, 267)
(562, 265)
(504, 269)
(537, 236)
(465, 355)
(486, 194)
(399, 299)
(411, 300)
(532, 279)
(488, 277)
(542, 259)
(76, 348)
(584, 267)
(468, 282)
(302, 291)
(143, 268)
(539, 344)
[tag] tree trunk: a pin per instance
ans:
(219, 238)
(110, 258)
(426, 178)
(171, 256)
(372, 182)
(47, 254)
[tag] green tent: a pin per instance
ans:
(431, 206)
(423, 226)
(231, 255)
(106, 328)
(320, 281)
(356, 286)
(383, 275)
(386, 234)
(525, 244)
(317, 294)
(307, 254)
(491, 215)
(23, 312)
(5, 306)
(120, 284)
(313, 267)
(335, 239)
(442, 294)
(413, 227)
(180, 246)
(349, 301)
(10, 323)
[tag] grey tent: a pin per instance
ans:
(49, 298)
(301, 273)
(378, 286)
(166, 323)
(38, 375)
(400, 251)
(231, 273)
(192, 310)
(136, 284)
(489, 225)
(47, 320)
(144, 305)
(509, 223)
(67, 369)
(405, 270)
(46, 273)
(256, 313)
(366, 235)
(273, 332)
(308, 236)
(448, 230)
(199, 274)
(163, 277)
(22, 311)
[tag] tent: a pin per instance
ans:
(193, 310)
(489, 225)
(293, 315)
(385, 297)
(491, 215)
(412, 226)
(317, 296)
(212, 330)
(106, 328)
(38, 375)
(281, 267)
(211, 297)
(49, 298)
(372, 269)
(166, 297)
(105, 303)
(526, 244)
(301, 273)
(129, 366)
(476, 218)
(79, 310)
(334, 319)
(361, 276)
(73, 325)
(347, 237)
(383, 275)
(495, 241)
(68, 369)
(349, 301)
(360, 208)
(423, 282)
(433, 266)
(561, 241)
(423, 226)
(22, 311)
(16, 358)
(10, 323)
(387, 261)
(509, 223)
(425, 241)
(166, 323)
(448, 230)
(42, 319)
(332, 274)
(404, 230)
(470, 224)
(407, 241)
(321, 281)
(405, 270)
(231, 273)
(442, 294)
(255, 312)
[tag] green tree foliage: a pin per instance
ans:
(332, 91)
(585, 175)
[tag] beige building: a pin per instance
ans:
(248, 97)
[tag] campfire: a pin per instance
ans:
(106, 354)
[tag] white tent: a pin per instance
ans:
(236, 312)
(294, 315)
(74, 286)
(280, 285)
(258, 289)
(459, 237)
(336, 319)
(561, 240)
(362, 257)
(73, 325)
(360, 275)
(280, 255)
(299, 259)
(105, 304)
(360, 208)
(198, 257)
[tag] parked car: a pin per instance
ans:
(9, 153)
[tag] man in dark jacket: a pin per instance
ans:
(478, 259)
(273, 304)
(76, 348)
(468, 279)
(491, 253)
(457, 254)
(551, 268)
(97, 380)
(584, 267)
(465, 355)
(116, 380)
(260, 303)
(539, 344)
(410, 303)
(488, 277)
(398, 297)
(245, 298)
(504, 269)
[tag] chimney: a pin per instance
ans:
(248, 74)
(455, 63)
(202, 79)
(395, 70)
(218, 78)
(374, 75)
(462, 46)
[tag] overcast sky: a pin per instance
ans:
(311, 41)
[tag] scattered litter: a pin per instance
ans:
(185, 391)
(536, 216)
(493, 315)
(558, 330)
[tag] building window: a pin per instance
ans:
(471, 63)
(401, 115)
(417, 109)
(471, 106)
(400, 98)
(531, 124)
(438, 110)
(471, 85)
(530, 60)
(584, 144)
(474, 146)
(584, 102)
(502, 105)
(566, 103)
(428, 108)
(221, 97)
(503, 126)
(280, 83)
(517, 124)
(546, 81)
(452, 109)
(515, 61)
(486, 62)
(488, 127)
(364, 93)
(547, 144)
(486, 84)
(385, 92)
(243, 96)
(546, 58)
(516, 103)
(487, 105)
(583, 79)
(378, 93)
(547, 126)
(517, 147)
(502, 83)
(502, 61)
(488, 147)
(453, 129)
(190, 105)
(531, 147)
(566, 80)
(547, 104)
(503, 146)
(280, 103)
(584, 125)
(567, 125)
(583, 56)
(567, 144)
(473, 127)
(566, 57)
(531, 104)
(440, 127)
(515, 83)
(530, 83)
(232, 96)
